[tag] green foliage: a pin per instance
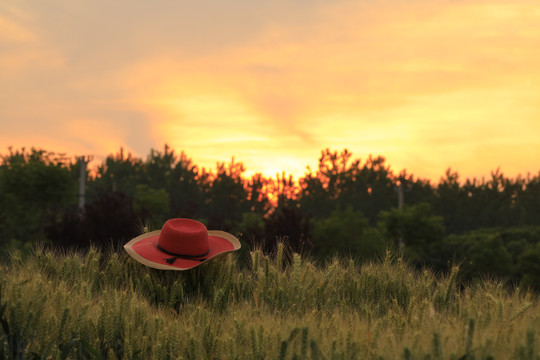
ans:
(118, 172)
(346, 232)
(163, 170)
(287, 223)
(252, 225)
(34, 186)
(415, 226)
(509, 253)
(151, 204)
(488, 255)
(251, 228)
(226, 196)
(327, 209)
(95, 306)
(340, 182)
(496, 202)
(179, 177)
(529, 266)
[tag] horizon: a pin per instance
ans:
(427, 86)
(94, 163)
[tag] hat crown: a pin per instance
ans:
(184, 237)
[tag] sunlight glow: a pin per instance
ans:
(426, 85)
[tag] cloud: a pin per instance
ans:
(378, 79)
(273, 80)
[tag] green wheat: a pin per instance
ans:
(107, 306)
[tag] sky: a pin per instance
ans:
(429, 85)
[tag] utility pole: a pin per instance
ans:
(83, 161)
(400, 207)
(400, 195)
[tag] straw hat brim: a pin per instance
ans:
(143, 249)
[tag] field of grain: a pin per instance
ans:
(281, 306)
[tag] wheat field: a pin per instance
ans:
(104, 305)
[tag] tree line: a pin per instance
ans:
(344, 207)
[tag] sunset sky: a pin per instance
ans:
(427, 84)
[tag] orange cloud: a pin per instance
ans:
(428, 85)
(410, 82)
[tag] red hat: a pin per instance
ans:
(181, 244)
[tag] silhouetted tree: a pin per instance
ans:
(258, 188)
(346, 233)
(120, 172)
(333, 208)
(450, 201)
(34, 187)
(529, 200)
(528, 266)
(179, 177)
(498, 202)
(415, 191)
(287, 223)
(416, 227)
(226, 197)
(151, 206)
(320, 190)
(340, 182)
(108, 219)
(371, 189)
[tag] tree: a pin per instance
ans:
(527, 201)
(488, 256)
(529, 267)
(179, 177)
(346, 233)
(120, 172)
(258, 189)
(497, 202)
(226, 198)
(416, 191)
(287, 223)
(480, 253)
(371, 189)
(340, 182)
(321, 189)
(416, 227)
(108, 219)
(250, 231)
(34, 187)
(151, 205)
(450, 201)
